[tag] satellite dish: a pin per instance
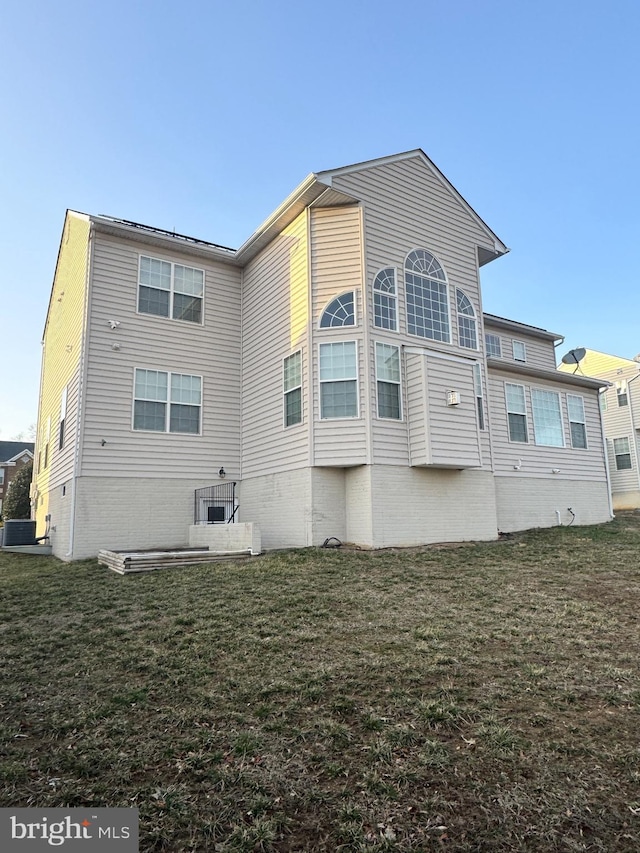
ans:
(574, 356)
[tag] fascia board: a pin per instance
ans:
(495, 322)
(497, 364)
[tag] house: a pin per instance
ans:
(14, 455)
(337, 367)
(620, 403)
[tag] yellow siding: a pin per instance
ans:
(61, 366)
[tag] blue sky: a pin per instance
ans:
(202, 116)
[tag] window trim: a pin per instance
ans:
(447, 288)
(472, 316)
(556, 394)
(321, 381)
(168, 403)
(583, 422)
(396, 347)
(171, 291)
(286, 391)
(488, 335)
(522, 360)
(333, 299)
(391, 297)
(626, 453)
(520, 414)
(622, 393)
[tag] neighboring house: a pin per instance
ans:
(620, 404)
(14, 455)
(333, 366)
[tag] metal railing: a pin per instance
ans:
(215, 504)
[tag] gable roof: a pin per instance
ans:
(317, 189)
(10, 450)
(484, 257)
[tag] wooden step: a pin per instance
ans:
(127, 562)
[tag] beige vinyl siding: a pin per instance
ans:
(416, 381)
(628, 479)
(211, 350)
(442, 435)
(336, 267)
(407, 207)
(536, 460)
(61, 366)
(539, 352)
(275, 324)
(524, 503)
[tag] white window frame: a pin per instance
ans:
(2, 470)
(171, 291)
(542, 412)
(622, 394)
(477, 387)
(438, 277)
(618, 453)
(516, 348)
(602, 399)
(574, 420)
(494, 338)
(322, 381)
(511, 411)
(387, 381)
(343, 324)
(287, 391)
(62, 418)
(168, 402)
(469, 317)
(379, 295)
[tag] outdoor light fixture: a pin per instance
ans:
(222, 473)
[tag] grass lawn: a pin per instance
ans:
(483, 697)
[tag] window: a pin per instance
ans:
(167, 402)
(493, 345)
(385, 315)
(516, 412)
(1, 476)
(292, 383)
(519, 351)
(338, 380)
(170, 290)
(341, 311)
(577, 421)
(388, 381)
(467, 334)
(63, 415)
(547, 418)
(46, 439)
(427, 297)
(477, 384)
(622, 453)
(621, 392)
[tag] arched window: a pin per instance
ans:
(341, 311)
(427, 297)
(385, 314)
(467, 330)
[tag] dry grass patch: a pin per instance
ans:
(478, 698)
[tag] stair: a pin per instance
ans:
(128, 562)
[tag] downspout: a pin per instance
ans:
(605, 454)
(81, 377)
(633, 426)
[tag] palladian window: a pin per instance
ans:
(427, 297)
